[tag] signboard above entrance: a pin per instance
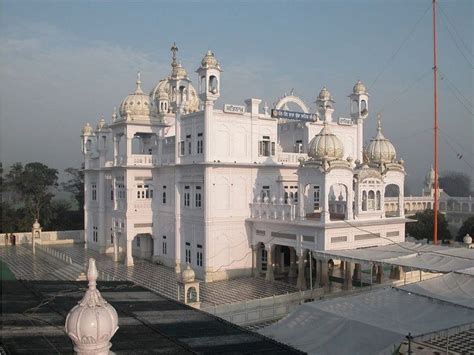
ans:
(240, 110)
(291, 115)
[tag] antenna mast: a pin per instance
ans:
(435, 75)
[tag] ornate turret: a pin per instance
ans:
(325, 105)
(359, 101)
(209, 74)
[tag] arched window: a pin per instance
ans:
(371, 201)
(363, 107)
(202, 85)
(213, 84)
(364, 200)
(378, 202)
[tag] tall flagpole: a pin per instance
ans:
(435, 75)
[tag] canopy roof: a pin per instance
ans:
(370, 323)
(453, 287)
(434, 258)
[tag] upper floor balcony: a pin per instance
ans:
(146, 160)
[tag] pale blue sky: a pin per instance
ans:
(64, 63)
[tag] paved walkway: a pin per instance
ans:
(158, 278)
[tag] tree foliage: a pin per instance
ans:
(455, 184)
(423, 227)
(31, 190)
(34, 183)
(75, 185)
(466, 228)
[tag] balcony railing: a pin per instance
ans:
(141, 205)
(137, 160)
(273, 210)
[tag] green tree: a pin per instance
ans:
(455, 183)
(423, 227)
(34, 183)
(75, 185)
(466, 228)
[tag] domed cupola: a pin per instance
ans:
(326, 145)
(87, 130)
(137, 105)
(380, 150)
(210, 62)
(325, 105)
(178, 72)
(359, 88)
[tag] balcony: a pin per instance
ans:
(142, 205)
(146, 160)
(273, 210)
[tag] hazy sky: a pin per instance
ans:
(65, 63)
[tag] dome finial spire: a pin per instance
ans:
(139, 82)
(379, 122)
(174, 49)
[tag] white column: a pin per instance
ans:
(129, 259)
(325, 217)
(116, 246)
(347, 285)
(86, 209)
(350, 199)
(292, 272)
(177, 226)
(360, 139)
(301, 281)
(301, 197)
(116, 148)
(101, 212)
(270, 249)
(208, 120)
(255, 270)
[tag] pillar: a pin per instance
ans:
(324, 272)
(129, 260)
(301, 281)
(301, 197)
(255, 268)
(116, 246)
(347, 285)
(325, 216)
(270, 248)
(292, 272)
(357, 272)
(379, 277)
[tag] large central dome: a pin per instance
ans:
(137, 105)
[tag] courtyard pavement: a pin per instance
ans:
(158, 278)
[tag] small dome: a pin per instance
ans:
(188, 275)
(36, 225)
(102, 124)
(359, 88)
(380, 149)
(324, 94)
(93, 321)
(209, 61)
(179, 72)
(87, 130)
(137, 104)
(325, 145)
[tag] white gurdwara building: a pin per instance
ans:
(238, 190)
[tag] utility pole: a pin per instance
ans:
(435, 77)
